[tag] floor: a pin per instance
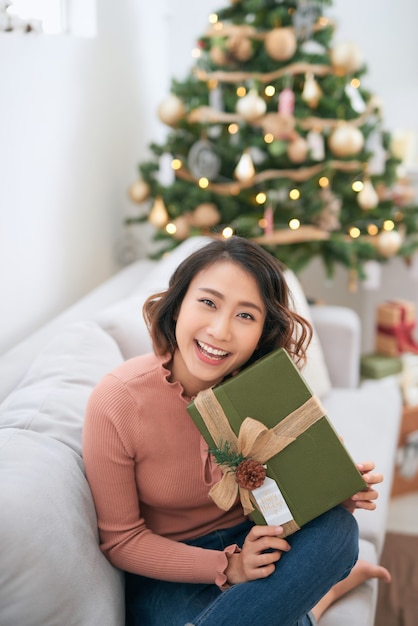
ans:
(403, 514)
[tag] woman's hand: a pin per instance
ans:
(365, 499)
(253, 561)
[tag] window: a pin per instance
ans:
(52, 17)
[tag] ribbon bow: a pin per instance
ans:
(254, 441)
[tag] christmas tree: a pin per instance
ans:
(273, 136)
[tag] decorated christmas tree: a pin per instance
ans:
(274, 136)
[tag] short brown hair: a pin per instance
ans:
(283, 328)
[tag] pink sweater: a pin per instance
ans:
(150, 475)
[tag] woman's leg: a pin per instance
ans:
(322, 554)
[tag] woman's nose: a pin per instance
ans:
(220, 328)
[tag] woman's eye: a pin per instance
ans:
(246, 316)
(207, 302)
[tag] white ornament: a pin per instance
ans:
(245, 168)
(388, 242)
(367, 198)
(316, 145)
(373, 275)
(251, 106)
(346, 140)
(346, 57)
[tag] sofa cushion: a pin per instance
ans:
(367, 419)
(53, 571)
(52, 397)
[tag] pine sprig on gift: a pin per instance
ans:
(223, 455)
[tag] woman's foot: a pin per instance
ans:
(362, 571)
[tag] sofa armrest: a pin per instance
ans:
(339, 332)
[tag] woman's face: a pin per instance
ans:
(219, 325)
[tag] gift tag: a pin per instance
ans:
(271, 503)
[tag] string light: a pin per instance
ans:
(294, 224)
(213, 18)
(270, 90)
(269, 138)
(176, 164)
(354, 232)
(357, 185)
(294, 194)
(241, 91)
(233, 129)
(261, 198)
(227, 232)
(171, 228)
(196, 53)
(323, 182)
(388, 225)
(372, 229)
(355, 82)
(203, 183)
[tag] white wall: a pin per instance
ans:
(77, 116)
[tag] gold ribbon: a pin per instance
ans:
(254, 441)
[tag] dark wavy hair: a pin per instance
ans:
(283, 327)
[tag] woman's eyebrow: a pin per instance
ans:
(245, 303)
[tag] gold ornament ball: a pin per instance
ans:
(280, 44)
(279, 125)
(346, 58)
(206, 215)
(297, 150)
(218, 56)
(251, 106)
(388, 242)
(171, 111)
(346, 140)
(139, 191)
(240, 47)
(182, 228)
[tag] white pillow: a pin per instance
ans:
(52, 569)
(314, 371)
(52, 397)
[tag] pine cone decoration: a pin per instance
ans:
(250, 474)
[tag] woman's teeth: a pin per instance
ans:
(212, 352)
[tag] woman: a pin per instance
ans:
(187, 561)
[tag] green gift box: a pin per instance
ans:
(379, 365)
(314, 472)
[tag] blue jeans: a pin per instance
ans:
(323, 552)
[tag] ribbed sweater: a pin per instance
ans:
(150, 475)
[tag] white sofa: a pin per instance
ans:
(52, 571)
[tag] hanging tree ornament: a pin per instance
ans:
(281, 44)
(316, 144)
(346, 140)
(329, 217)
(205, 215)
(388, 242)
(377, 161)
(311, 92)
(251, 106)
(367, 198)
(139, 191)
(297, 150)
(355, 97)
(203, 161)
(245, 169)
(158, 216)
(346, 58)
(171, 111)
(286, 101)
(304, 18)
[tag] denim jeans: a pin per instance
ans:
(322, 553)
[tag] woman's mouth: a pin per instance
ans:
(211, 353)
